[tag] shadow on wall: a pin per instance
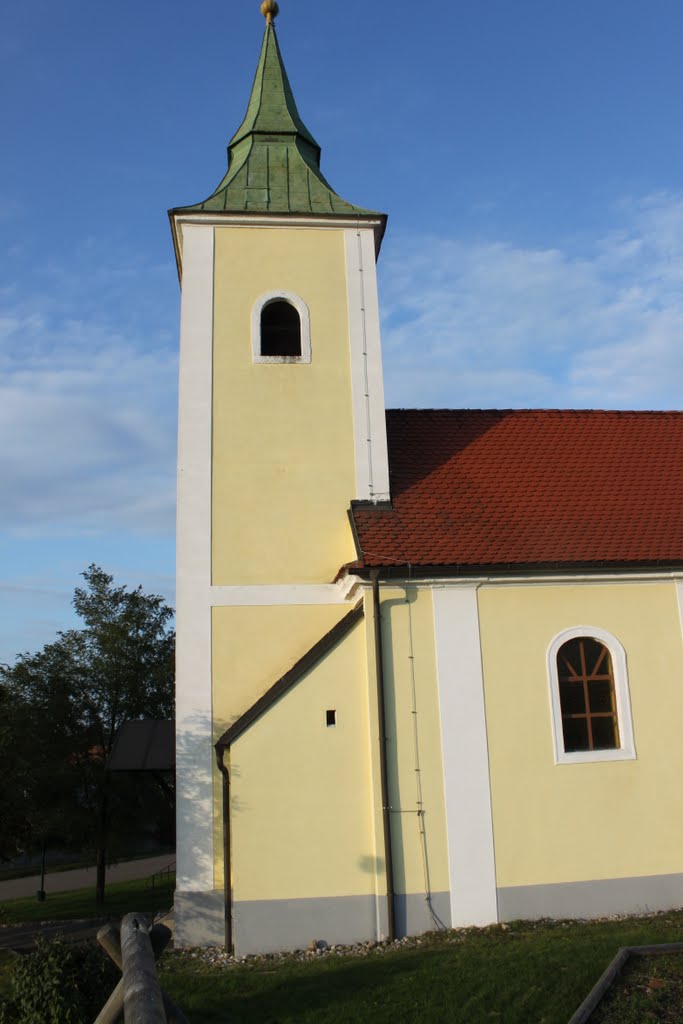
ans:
(194, 781)
(371, 865)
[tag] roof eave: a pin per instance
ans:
(176, 244)
(411, 570)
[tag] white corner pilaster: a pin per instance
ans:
(464, 744)
(679, 595)
(369, 422)
(194, 747)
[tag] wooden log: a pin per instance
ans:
(142, 1000)
(109, 937)
(112, 1011)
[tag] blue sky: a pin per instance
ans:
(529, 157)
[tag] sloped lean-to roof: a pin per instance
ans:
(528, 488)
(292, 676)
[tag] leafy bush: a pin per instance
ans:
(59, 984)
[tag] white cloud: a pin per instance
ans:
(92, 446)
(492, 324)
(87, 411)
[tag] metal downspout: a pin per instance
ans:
(386, 809)
(227, 884)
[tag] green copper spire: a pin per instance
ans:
(273, 160)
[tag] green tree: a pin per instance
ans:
(78, 691)
(16, 769)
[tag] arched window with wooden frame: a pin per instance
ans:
(280, 329)
(589, 697)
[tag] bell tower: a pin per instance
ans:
(281, 426)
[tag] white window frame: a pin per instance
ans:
(626, 751)
(304, 317)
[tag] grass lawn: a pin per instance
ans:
(527, 974)
(120, 898)
(649, 991)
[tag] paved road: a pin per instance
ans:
(83, 878)
(22, 937)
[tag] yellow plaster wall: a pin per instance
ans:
(300, 807)
(414, 740)
(253, 646)
(283, 448)
(576, 822)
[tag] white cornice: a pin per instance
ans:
(270, 220)
(276, 220)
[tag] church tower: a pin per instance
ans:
(281, 426)
(450, 714)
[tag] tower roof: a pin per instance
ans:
(273, 159)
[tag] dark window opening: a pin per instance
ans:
(587, 696)
(280, 329)
(331, 717)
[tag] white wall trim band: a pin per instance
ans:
(679, 595)
(194, 749)
(464, 745)
(290, 594)
(367, 387)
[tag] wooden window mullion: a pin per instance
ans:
(586, 696)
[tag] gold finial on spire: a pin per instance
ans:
(270, 10)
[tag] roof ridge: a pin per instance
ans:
(540, 409)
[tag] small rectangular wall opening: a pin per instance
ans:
(330, 717)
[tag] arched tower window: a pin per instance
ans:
(280, 329)
(589, 697)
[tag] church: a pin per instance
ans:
(429, 662)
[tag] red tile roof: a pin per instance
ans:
(538, 488)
